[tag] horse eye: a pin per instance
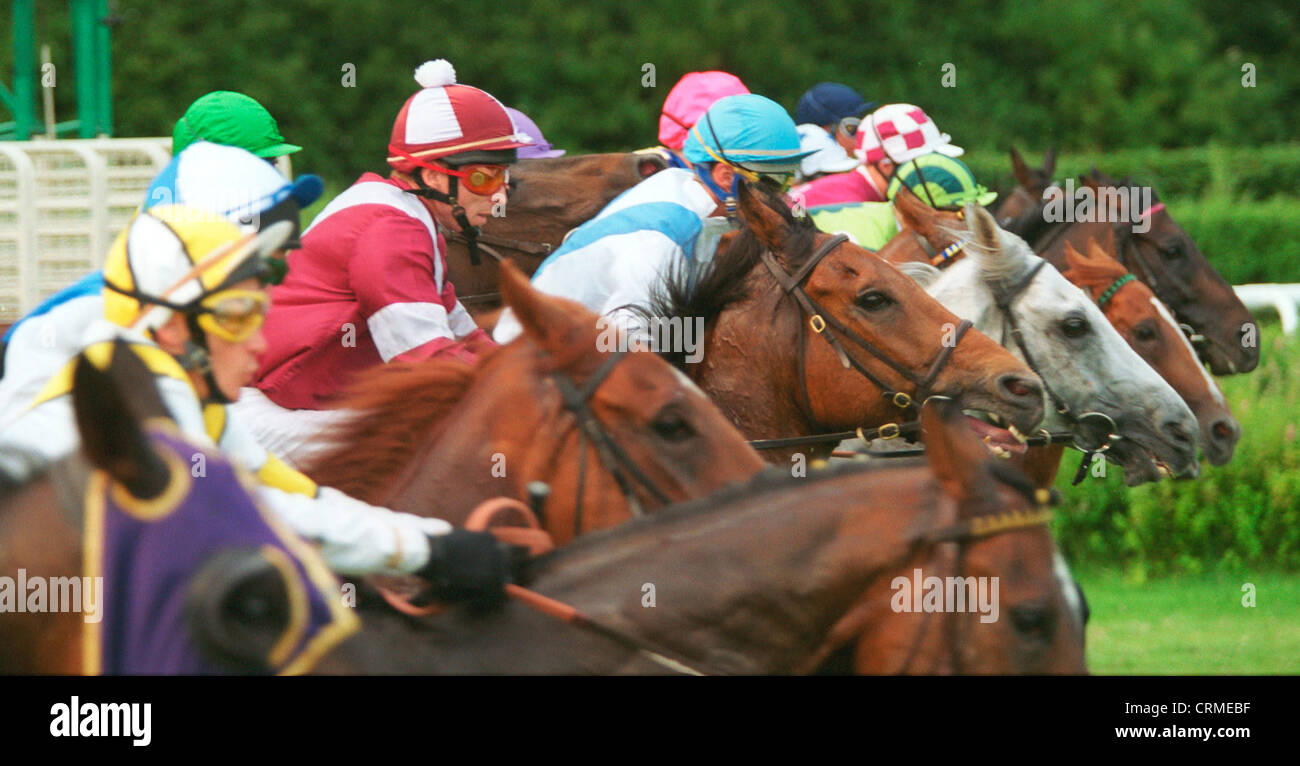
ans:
(1144, 332)
(672, 427)
(1074, 327)
(1172, 251)
(874, 301)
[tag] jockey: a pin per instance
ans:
(220, 117)
(688, 100)
(223, 179)
(828, 116)
(941, 181)
(184, 287)
(369, 285)
(890, 136)
(611, 263)
(540, 148)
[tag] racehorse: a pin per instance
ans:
(1147, 325)
(546, 198)
(778, 576)
(886, 344)
(1164, 257)
(53, 529)
(610, 433)
(1099, 387)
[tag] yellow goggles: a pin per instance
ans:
(233, 315)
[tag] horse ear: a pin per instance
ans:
(767, 224)
(1097, 252)
(543, 318)
(111, 437)
(911, 210)
(955, 454)
(1073, 259)
(983, 228)
(1049, 161)
(1020, 169)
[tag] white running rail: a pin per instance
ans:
(1282, 297)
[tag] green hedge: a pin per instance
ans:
(1242, 515)
(1198, 172)
(1246, 242)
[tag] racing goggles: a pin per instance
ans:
(777, 181)
(483, 180)
(232, 315)
(849, 126)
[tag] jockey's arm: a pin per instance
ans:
(356, 538)
(409, 315)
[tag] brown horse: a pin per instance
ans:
(885, 344)
(1164, 257)
(548, 197)
(781, 576)
(436, 438)
(927, 235)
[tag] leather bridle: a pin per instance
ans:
(576, 399)
(821, 321)
(1094, 432)
(963, 533)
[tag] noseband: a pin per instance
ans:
(820, 321)
(1093, 431)
(577, 400)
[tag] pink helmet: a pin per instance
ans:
(444, 119)
(901, 132)
(689, 99)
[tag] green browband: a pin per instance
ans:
(1114, 288)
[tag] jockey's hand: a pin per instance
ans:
(466, 566)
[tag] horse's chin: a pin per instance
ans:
(1143, 464)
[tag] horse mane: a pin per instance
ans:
(723, 281)
(1095, 274)
(396, 406)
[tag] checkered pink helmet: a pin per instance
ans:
(901, 132)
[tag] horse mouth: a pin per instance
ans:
(1001, 437)
(1144, 463)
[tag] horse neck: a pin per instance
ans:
(750, 370)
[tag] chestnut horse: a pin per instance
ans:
(547, 198)
(743, 585)
(781, 575)
(609, 433)
(1164, 257)
(1150, 329)
(885, 345)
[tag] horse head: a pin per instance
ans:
(1169, 262)
(1090, 373)
(1152, 331)
(809, 333)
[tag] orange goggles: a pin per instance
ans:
(483, 180)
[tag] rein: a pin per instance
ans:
(577, 401)
(1099, 422)
(820, 320)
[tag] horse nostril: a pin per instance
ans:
(1224, 430)
(1018, 386)
(1176, 432)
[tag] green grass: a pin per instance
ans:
(1192, 625)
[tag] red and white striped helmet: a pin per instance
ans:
(901, 132)
(447, 120)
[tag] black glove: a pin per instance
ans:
(467, 566)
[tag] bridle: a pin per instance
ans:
(963, 533)
(820, 321)
(576, 399)
(1097, 425)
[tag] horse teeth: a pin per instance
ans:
(1016, 433)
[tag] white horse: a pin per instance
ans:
(1086, 364)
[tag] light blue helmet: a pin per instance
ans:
(744, 130)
